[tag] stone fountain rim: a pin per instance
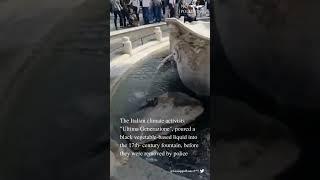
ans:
(187, 28)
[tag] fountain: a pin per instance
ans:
(173, 95)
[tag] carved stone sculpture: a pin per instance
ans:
(190, 45)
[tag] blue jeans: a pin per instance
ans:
(145, 12)
(157, 11)
(151, 13)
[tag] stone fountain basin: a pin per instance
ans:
(129, 92)
(135, 166)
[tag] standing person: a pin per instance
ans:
(209, 6)
(145, 11)
(117, 8)
(163, 6)
(125, 12)
(172, 4)
(166, 9)
(194, 7)
(136, 7)
(157, 10)
(183, 10)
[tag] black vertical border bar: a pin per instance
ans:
(212, 99)
(107, 68)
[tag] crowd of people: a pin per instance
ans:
(153, 11)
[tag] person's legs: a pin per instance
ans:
(120, 18)
(136, 12)
(145, 11)
(124, 18)
(147, 15)
(158, 13)
(174, 11)
(154, 9)
(171, 10)
(127, 16)
(151, 13)
(144, 15)
(163, 9)
(155, 12)
(116, 14)
(196, 11)
(115, 19)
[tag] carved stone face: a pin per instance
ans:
(274, 44)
